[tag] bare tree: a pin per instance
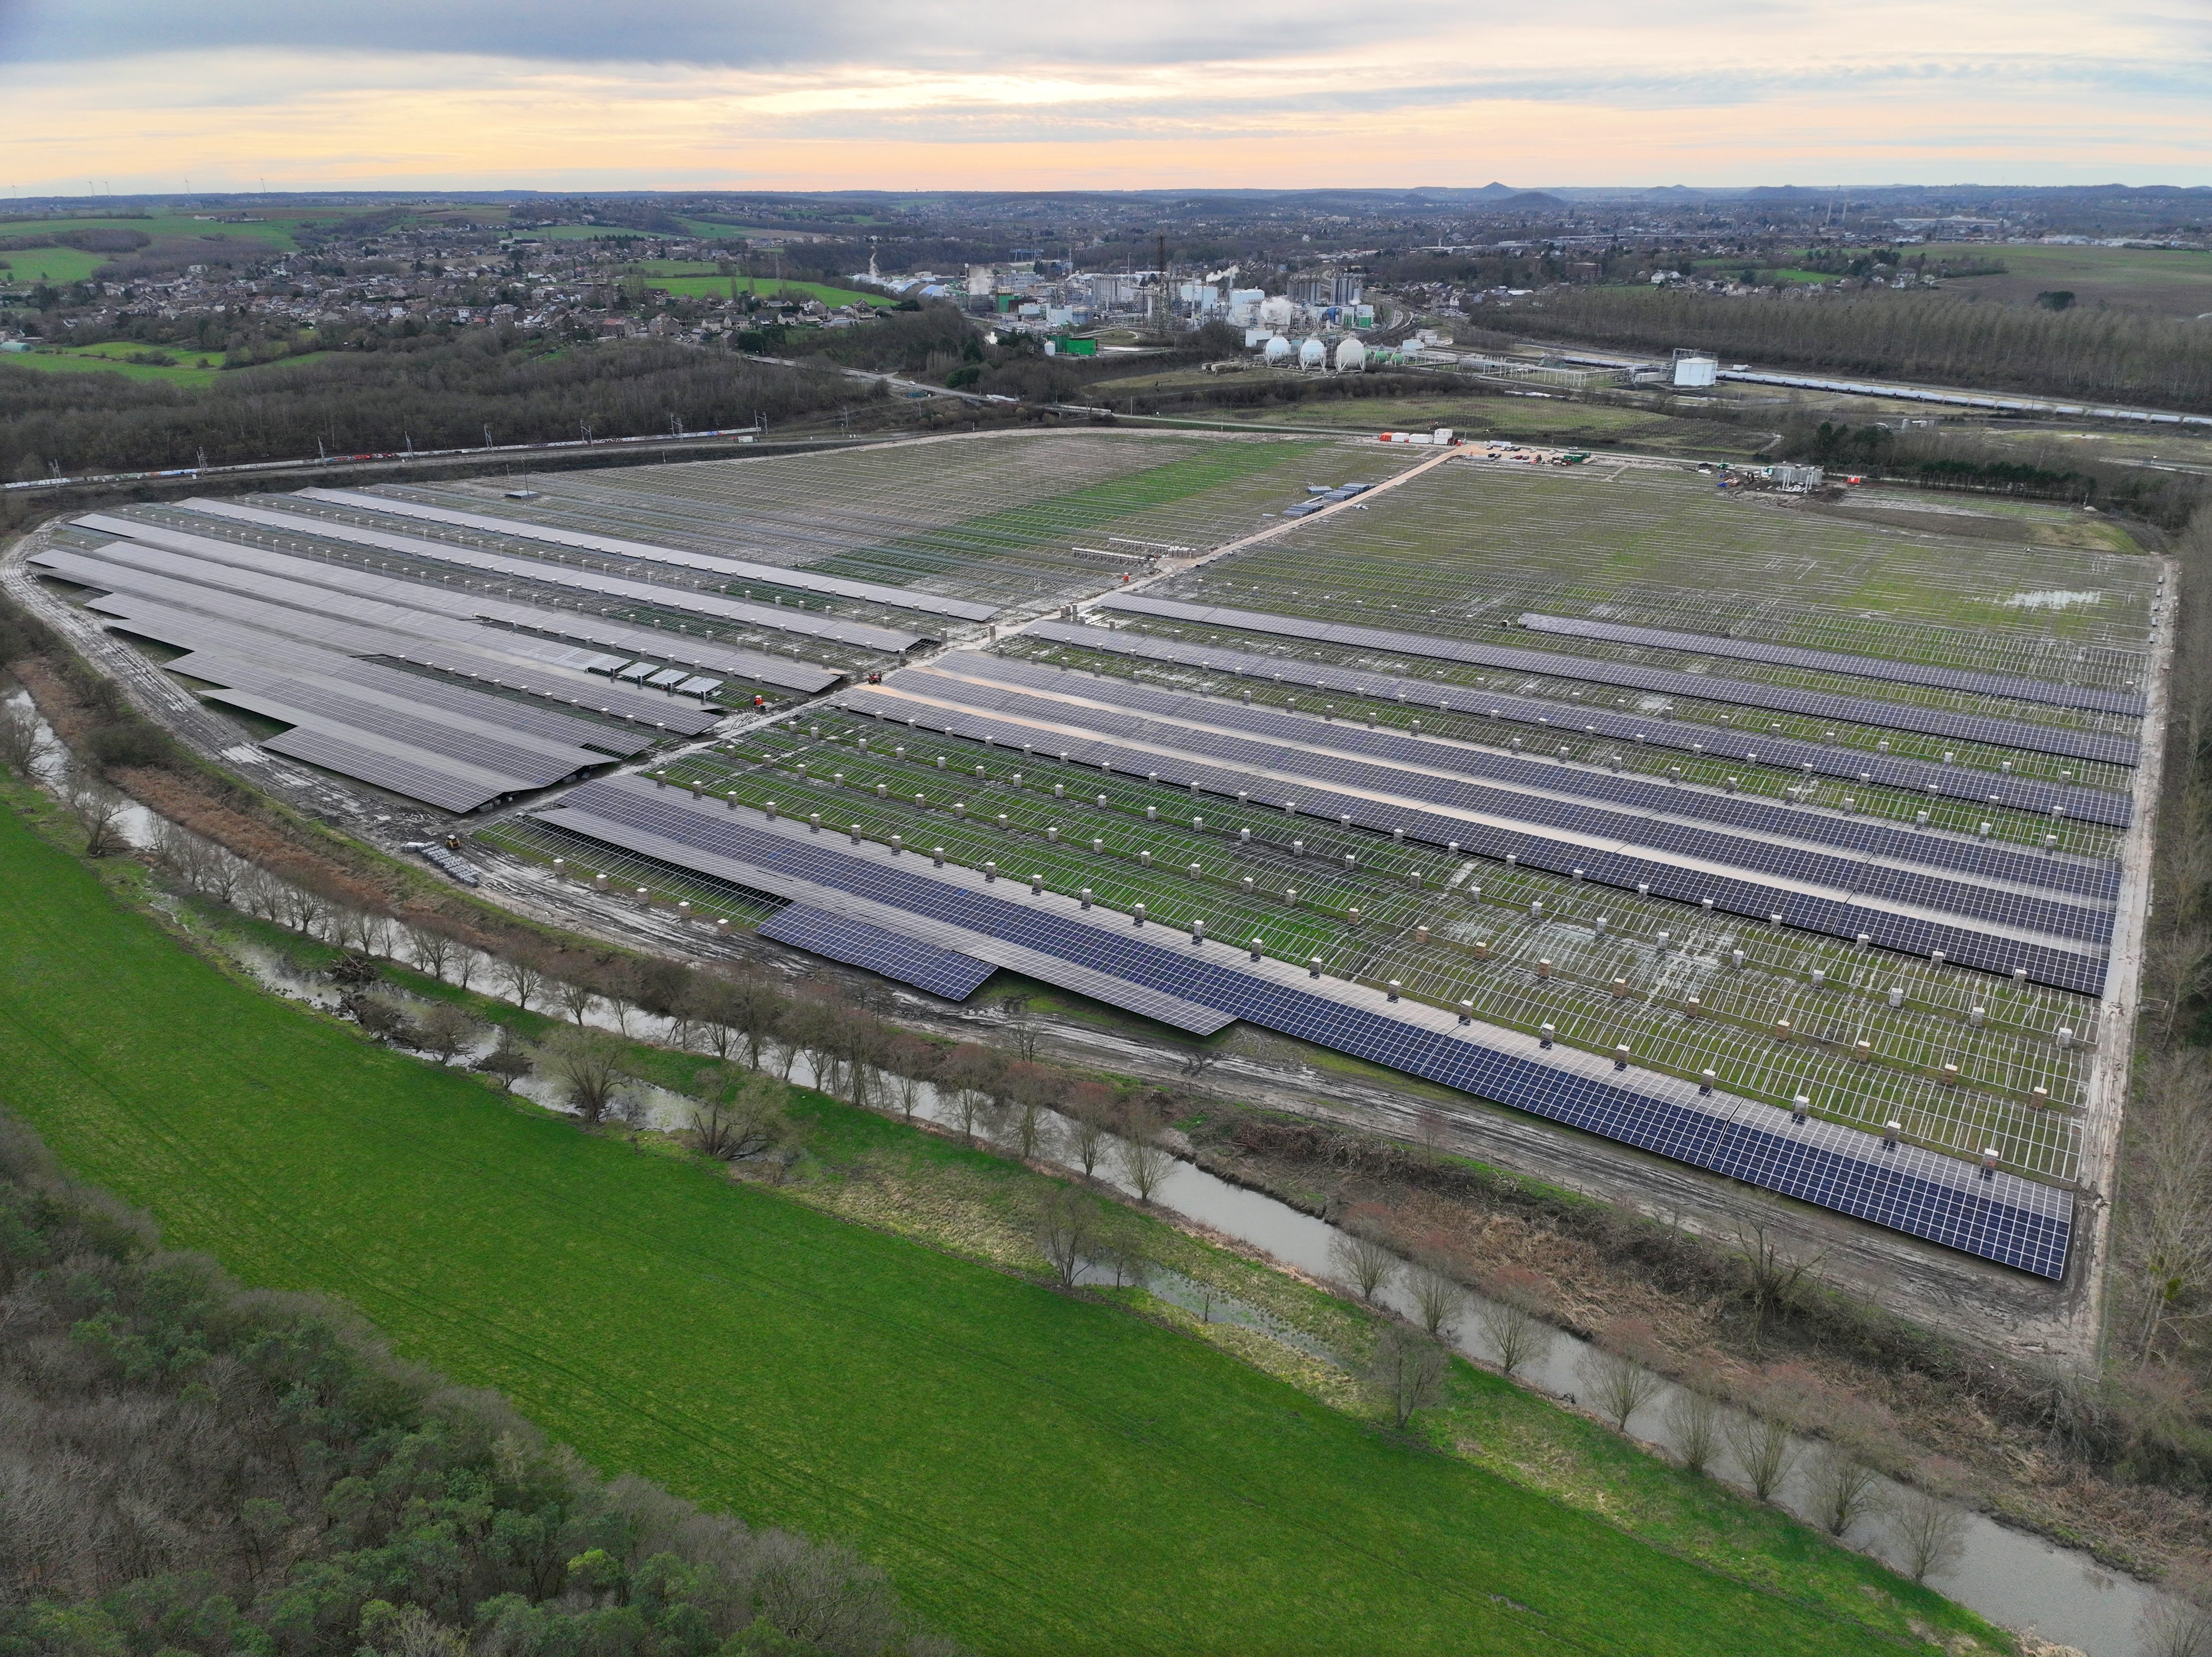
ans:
(510, 1061)
(1437, 1300)
(1842, 1487)
(1021, 1029)
(1430, 1124)
(467, 962)
(1144, 1162)
(1516, 1335)
(966, 1075)
(576, 998)
(911, 1061)
(1694, 1419)
(709, 1010)
(23, 744)
(757, 1007)
(1618, 1384)
(445, 1030)
(1067, 1231)
(1764, 1450)
(745, 1114)
(98, 810)
(588, 1064)
(386, 1019)
(1366, 1263)
(1407, 1373)
(1030, 1087)
(1928, 1534)
(431, 950)
(523, 974)
(2178, 1622)
(1085, 1132)
(1775, 1275)
(2167, 1238)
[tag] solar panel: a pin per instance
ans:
(1995, 1216)
(773, 574)
(698, 652)
(408, 774)
(2010, 686)
(1920, 776)
(1877, 838)
(1371, 793)
(1819, 705)
(778, 618)
(1583, 850)
(857, 943)
(700, 687)
(479, 657)
(514, 759)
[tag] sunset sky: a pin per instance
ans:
(142, 96)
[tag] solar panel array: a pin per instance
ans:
(1813, 704)
(1877, 838)
(1135, 740)
(857, 943)
(399, 770)
(1922, 776)
(646, 832)
(2027, 933)
(1829, 661)
(774, 574)
(891, 641)
(1993, 1215)
(483, 655)
(695, 651)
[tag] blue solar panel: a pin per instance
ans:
(2010, 686)
(857, 943)
(1814, 704)
(1996, 1215)
(1921, 776)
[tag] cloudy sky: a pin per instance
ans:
(143, 95)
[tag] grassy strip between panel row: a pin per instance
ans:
(1037, 1471)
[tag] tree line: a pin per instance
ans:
(2105, 355)
(188, 1467)
(438, 394)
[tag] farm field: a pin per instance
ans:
(695, 282)
(113, 357)
(50, 264)
(987, 1440)
(2164, 281)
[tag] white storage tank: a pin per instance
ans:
(1313, 354)
(1277, 350)
(1351, 355)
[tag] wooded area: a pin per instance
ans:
(1937, 338)
(186, 1466)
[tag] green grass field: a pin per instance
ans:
(1037, 1473)
(2169, 281)
(112, 357)
(54, 264)
(708, 285)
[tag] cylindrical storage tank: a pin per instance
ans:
(1312, 354)
(1276, 350)
(1351, 355)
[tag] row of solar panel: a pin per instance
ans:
(799, 580)
(483, 655)
(1813, 704)
(698, 653)
(1994, 1216)
(2064, 968)
(2010, 686)
(929, 931)
(888, 954)
(1139, 740)
(781, 618)
(1921, 776)
(1878, 838)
